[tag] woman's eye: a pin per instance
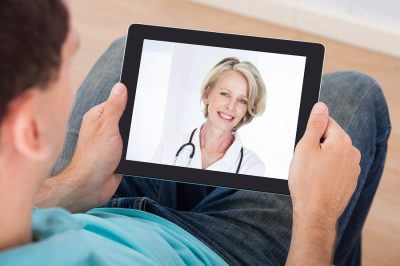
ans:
(224, 94)
(243, 101)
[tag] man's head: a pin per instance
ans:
(37, 43)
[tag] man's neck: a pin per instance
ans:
(16, 202)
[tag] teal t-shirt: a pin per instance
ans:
(108, 236)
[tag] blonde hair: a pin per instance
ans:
(257, 90)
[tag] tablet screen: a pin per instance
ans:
(215, 108)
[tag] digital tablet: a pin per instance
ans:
(214, 108)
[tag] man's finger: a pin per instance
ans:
(95, 112)
(335, 134)
(317, 124)
(115, 105)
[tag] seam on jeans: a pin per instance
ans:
(142, 203)
(385, 135)
(352, 116)
(161, 184)
(145, 203)
(137, 204)
(116, 203)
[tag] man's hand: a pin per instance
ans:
(88, 181)
(322, 177)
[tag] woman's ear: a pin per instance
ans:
(205, 100)
(26, 136)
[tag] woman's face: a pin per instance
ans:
(227, 101)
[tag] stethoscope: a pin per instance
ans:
(194, 148)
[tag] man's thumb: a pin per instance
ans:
(116, 102)
(317, 124)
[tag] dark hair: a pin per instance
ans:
(31, 37)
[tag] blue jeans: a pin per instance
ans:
(246, 227)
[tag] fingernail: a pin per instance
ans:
(319, 108)
(118, 89)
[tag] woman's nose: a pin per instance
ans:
(230, 105)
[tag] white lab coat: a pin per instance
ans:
(169, 146)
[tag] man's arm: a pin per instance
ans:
(71, 191)
(88, 181)
(313, 240)
(323, 176)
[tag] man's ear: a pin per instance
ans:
(26, 135)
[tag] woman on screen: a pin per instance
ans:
(233, 93)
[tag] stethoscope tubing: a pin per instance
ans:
(190, 143)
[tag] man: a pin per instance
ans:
(178, 224)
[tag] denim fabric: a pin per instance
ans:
(246, 227)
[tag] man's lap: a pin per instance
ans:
(247, 227)
(232, 222)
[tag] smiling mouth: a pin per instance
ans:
(225, 117)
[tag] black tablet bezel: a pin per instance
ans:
(314, 53)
